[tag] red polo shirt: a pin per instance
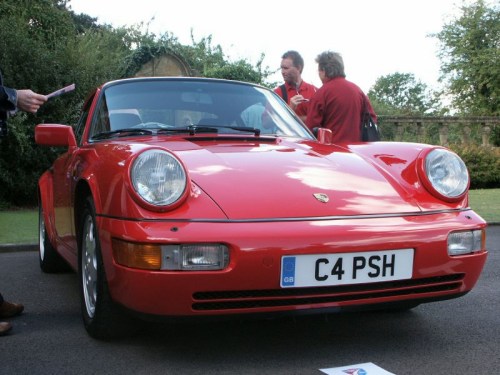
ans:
(338, 105)
(307, 90)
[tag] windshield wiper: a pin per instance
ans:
(193, 129)
(121, 133)
(246, 129)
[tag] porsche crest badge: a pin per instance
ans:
(323, 198)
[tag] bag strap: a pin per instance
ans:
(284, 93)
(364, 112)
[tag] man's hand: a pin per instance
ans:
(296, 100)
(29, 101)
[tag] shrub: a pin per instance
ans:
(483, 164)
(496, 136)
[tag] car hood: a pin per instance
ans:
(258, 180)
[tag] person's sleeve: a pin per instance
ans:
(8, 99)
(314, 114)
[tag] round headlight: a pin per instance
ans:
(158, 177)
(446, 173)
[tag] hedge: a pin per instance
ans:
(483, 164)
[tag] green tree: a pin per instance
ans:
(45, 46)
(470, 59)
(204, 59)
(27, 37)
(401, 94)
(211, 62)
(42, 48)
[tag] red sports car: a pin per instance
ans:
(197, 197)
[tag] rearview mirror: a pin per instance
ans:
(323, 135)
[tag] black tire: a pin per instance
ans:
(50, 260)
(102, 318)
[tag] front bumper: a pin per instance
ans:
(251, 282)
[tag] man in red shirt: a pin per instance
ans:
(295, 91)
(338, 104)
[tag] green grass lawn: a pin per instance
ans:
(21, 226)
(486, 203)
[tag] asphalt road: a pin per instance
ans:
(460, 336)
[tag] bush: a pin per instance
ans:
(21, 163)
(496, 136)
(483, 164)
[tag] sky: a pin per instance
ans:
(374, 37)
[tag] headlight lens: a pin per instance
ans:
(446, 173)
(158, 177)
(194, 257)
(465, 242)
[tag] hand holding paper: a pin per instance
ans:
(61, 91)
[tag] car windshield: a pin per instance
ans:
(192, 106)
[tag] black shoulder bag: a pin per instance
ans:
(369, 128)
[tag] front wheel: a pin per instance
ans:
(101, 316)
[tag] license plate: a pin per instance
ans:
(346, 268)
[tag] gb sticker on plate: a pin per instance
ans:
(288, 271)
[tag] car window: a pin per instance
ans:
(101, 118)
(252, 115)
(176, 103)
(80, 127)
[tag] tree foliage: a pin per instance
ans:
(203, 59)
(401, 94)
(470, 59)
(44, 46)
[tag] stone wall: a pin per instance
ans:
(447, 129)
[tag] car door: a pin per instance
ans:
(65, 175)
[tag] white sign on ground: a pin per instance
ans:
(359, 369)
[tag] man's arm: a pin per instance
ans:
(8, 99)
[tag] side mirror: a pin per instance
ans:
(323, 135)
(55, 135)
